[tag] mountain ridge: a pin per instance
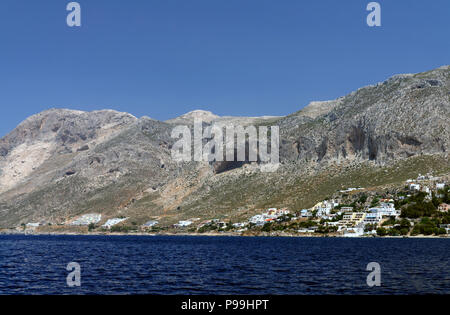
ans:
(61, 163)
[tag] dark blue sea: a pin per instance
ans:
(222, 265)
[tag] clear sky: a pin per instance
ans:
(162, 58)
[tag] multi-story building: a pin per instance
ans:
(373, 218)
(353, 218)
(385, 210)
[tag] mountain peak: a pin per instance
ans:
(204, 115)
(200, 114)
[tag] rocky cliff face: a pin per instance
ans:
(404, 116)
(62, 163)
(51, 134)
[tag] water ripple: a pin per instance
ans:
(221, 265)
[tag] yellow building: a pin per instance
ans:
(353, 218)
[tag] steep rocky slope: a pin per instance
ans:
(62, 163)
(404, 116)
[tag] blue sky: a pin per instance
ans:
(162, 58)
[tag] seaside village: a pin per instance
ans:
(417, 209)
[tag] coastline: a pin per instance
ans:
(226, 234)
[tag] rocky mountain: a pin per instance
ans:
(60, 164)
(405, 116)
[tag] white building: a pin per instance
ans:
(150, 224)
(354, 232)
(312, 229)
(324, 210)
(373, 218)
(446, 227)
(421, 177)
(271, 215)
(111, 222)
(258, 219)
(305, 213)
(183, 223)
(32, 225)
(91, 218)
(385, 210)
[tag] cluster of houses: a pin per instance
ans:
(87, 219)
(323, 210)
(426, 184)
(95, 218)
(271, 215)
(345, 220)
(350, 223)
(329, 212)
(353, 223)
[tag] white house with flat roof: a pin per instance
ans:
(386, 210)
(86, 219)
(373, 218)
(150, 224)
(183, 223)
(111, 222)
